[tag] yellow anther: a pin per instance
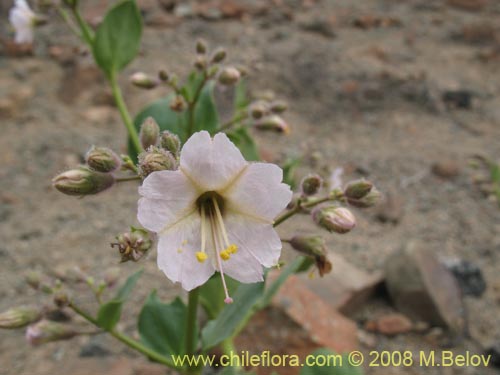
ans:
(179, 250)
(225, 255)
(201, 256)
(311, 275)
(232, 249)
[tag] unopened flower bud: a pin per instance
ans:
(201, 47)
(314, 247)
(229, 76)
(334, 219)
(178, 104)
(212, 71)
(61, 298)
(150, 132)
(33, 279)
(170, 142)
(163, 75)
(357, 189)
(311, 184)
(18, 317)
(258, 109)
(279, 106)
(200, 63)
(273, 123)
(133, 245)
(155, 159)
(218, 56)
(143, 80)
(369, 200)
(47, 331)
(103, 159)
(82, 181)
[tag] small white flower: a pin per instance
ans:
(23, 20)
(215, 213)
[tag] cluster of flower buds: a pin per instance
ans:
(266, 115)
(313, 247)
(133, 245)
(161, 150)
(361, 193)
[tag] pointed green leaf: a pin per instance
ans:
(118, 37)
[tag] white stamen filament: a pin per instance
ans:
(216, 239)
(221, 222)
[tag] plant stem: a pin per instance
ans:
(117, 94)
(87, 33)
(192, 105)
(237, 118)
(190, 328)
(66, 18)
(130, 342)
(299, 206)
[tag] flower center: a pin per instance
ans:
(211, 207)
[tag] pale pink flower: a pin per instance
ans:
(23, 20)
(215, 213)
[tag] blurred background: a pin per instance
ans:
(403, 93)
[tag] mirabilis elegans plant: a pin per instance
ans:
(206, 203)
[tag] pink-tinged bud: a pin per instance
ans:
(313, 247)
(149, 133)
(229, 76)
(311, 184)
(178, 104)
(200, 63)
(357, 189)
(103, 159)
(369, 200)
(155, 159)
(133, 245)
(279, 106)
(143, 81)
(82, 181)
(334, 219)
(258, 109)
(201, 47)
(47, 331)
(170, 142)
(218, 56)
(19, 317)
(273, 123)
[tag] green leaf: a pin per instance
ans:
(272, 289)
(339, 364)
(231, 316)
(161, 325)
(206, 116)
(241, 100)
(110, 312)
(244, 141)
(118, 37)
(212, 294)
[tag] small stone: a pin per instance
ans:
(446, 169)
(461, 99)
(8, 108)
(93, 349)
(469, 277)
(393, 324)
(424, 289)
(421, 327)
(367, 339)
(470, 5)
(324, 324)
(319, 25)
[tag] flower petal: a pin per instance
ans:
(259, 192)
(167, 197)
(176, 254)
(211, 163)
(258, 245)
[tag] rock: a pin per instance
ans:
(94, 349)
(7, 108)
(469, 276)
(446, 169)
(346, 288)
(494, 351)
(470, 5)
(367, 339)
(391, 209)
(457, 99)
(390, 324)
(424, 289)
(324, 324)
(478, 33)
(319, 25)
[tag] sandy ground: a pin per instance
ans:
(367, 99)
